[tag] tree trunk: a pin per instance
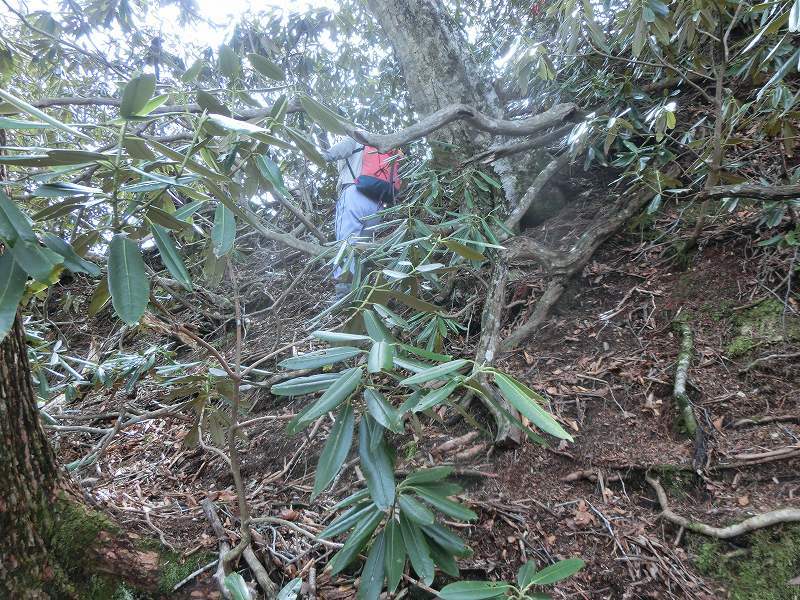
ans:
(52, 544)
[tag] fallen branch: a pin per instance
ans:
(210, 511)
(260, 573)
(762, 420)
(749, 190)
(681, 375)
(774, 517)
(542, 179)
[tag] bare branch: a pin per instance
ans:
(542, 179)
(462, 112)
(749, 190)
(498, 152)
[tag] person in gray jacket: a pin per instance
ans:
(355, 213)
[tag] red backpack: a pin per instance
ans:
(378, 179)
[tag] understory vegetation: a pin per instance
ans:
(567, 361)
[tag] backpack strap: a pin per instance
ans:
(347, 162)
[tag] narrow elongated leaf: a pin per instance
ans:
(380, 357)
(437, 372)
(349, 519)
(136, 94)
(192, 72)
(417, 549)
(13, 222)
(561, 570)
(266, 67)
(336, 336)
(473, 590)
(357, 497)
(426, 353)
(414, 510)
(428, 475)
(436, 397)
(355, 542)
(235, 125)
(224, 231)
(12, 286)
(395, 558)
(443, 559)
(9, 123)
(383, 412)
(525, 574)
(100, 297)
(237, 587)
(63, 189)
(323, 116)
(448, 507)
(305, 146)
(38, 262)
(127, 282)
(794, 17)
(376, 463)
(71, 260)
(447, 539)
(170, 257)
(304, 385)
(42, 116)
(333, 397)
(320, 358)
(210, 104)
(335, 451)
(291, 590)
(229, 63)
(59, 209)
(524, 400)
(372, 575)
(463, 250)
(376, 329)
(185, 212)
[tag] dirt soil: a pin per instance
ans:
(606, 363)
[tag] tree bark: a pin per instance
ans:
(53, 545)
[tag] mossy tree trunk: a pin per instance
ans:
(52, 544)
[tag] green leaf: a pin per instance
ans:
(304, 385)
(152, 104)
(428, 475)
(473, 590)
(463, 250)
(59, 209)
(349, 519)
(447, 539)
(38, 262)
(320, 358)
(61, 189)
(305, 146)
(166, 219)
(291, 590)
(266, 67)
(71, 260)
(376, 463)
(443, 559)
(561, 570)
(355, 542)
(170, 257)
(437, 372)
(383, 412)
(136, 94)
(426, 353)
(211, 105)
(375, 328)
(415, 510)
(794, 17)
(237, 587)
(192, 72)
(442, 504)
(127, 282)
(323, 116)
(436, 397)
(229, 62)
(372, 574)
(390, 315)
(223, 232)
(14, 224)
(235, 125)
(395, 558)
(336, 336)
(9, 123)
(525, 574)
(417, 549)
(356, 497)
(380, 357)
(42, 116)
(12, 287)
(335, 451)
(525, 401)
(100, 298)
(332, 397)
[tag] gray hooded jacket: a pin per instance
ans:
(346, 151)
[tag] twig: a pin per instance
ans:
(681, 375)
(260, 573)
(210, 511)
(194, 574)
(774, 517)
(295, 528)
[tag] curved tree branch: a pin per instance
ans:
(553, 167)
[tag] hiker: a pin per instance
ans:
(367, 181)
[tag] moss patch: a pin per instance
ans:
(764, 323)
(174, 570)
(762, 572)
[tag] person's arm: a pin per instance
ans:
(340, 151)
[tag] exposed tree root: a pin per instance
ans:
(774, 517)
(682, 374)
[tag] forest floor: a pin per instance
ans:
(606, 362)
